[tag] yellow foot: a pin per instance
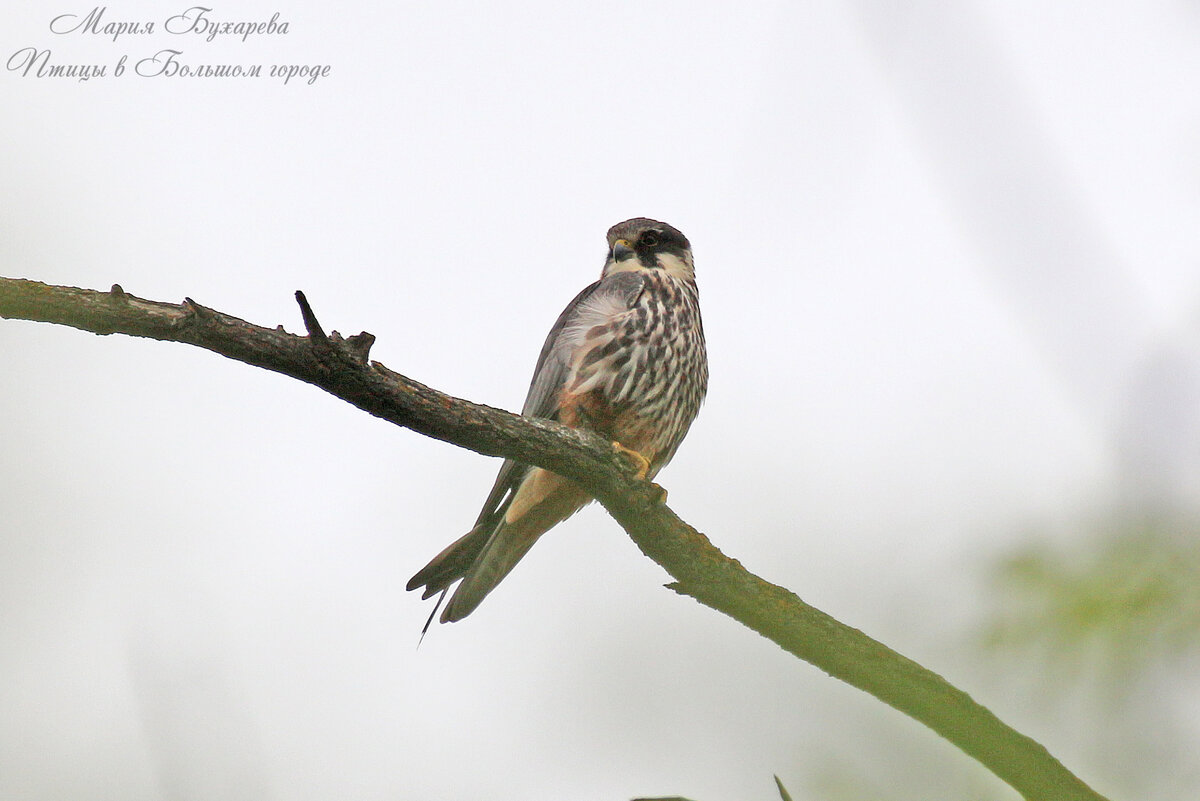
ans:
(640, 463)
(661, 500)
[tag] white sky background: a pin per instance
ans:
(933, 249)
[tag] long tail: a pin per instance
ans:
(499, 557)
(450, 565)
(454, 561)
(489, 552)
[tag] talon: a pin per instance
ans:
(640, 463)
(661, 498)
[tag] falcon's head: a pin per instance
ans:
(642, 244)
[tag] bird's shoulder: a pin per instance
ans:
(611, 297)
(597, 305)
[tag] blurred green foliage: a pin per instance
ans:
(1112, 604)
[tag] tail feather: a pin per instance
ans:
(497, 560)
(489, 551)
(453, 562)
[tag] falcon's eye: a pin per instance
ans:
(650, 239)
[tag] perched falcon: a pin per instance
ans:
(625, 359)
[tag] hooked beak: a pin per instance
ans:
(621, 250)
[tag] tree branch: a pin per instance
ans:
(341, 367)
